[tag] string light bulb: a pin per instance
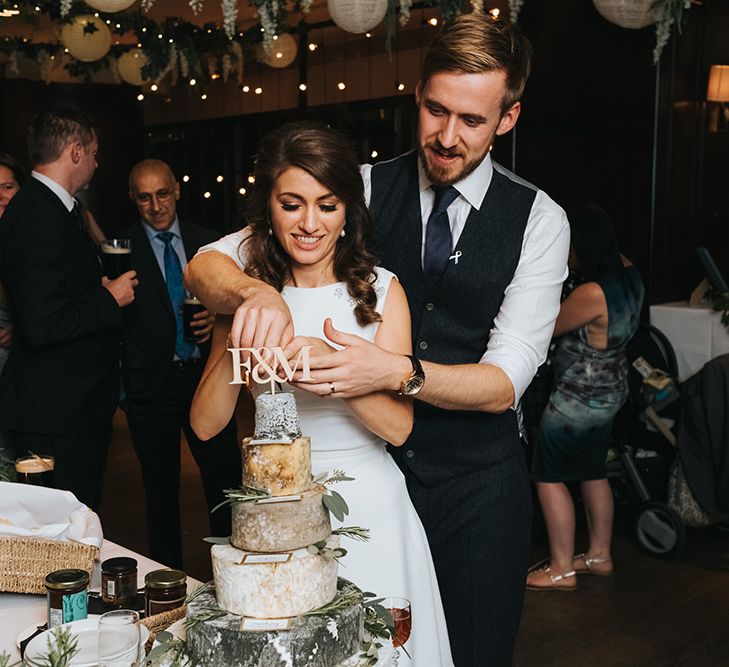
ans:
(495, 12)
(219, 179)
(313, 46)
(258, 91)
(242, 191)
(251, 179)
(204, 96)
(374, 154)
(433, 21)
(185, 178)
(302, 87)
(401, 86)
(341, 85)
(140, 97)
(206, 195)
(245, 89)
(193, 82)
(154, 87)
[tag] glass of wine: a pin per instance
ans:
(402, 618)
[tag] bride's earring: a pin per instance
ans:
(342, 234)
(270, 231)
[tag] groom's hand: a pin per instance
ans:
(263, 320)
(360, 368)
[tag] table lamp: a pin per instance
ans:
(718, 91)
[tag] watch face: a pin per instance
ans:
(413, 385)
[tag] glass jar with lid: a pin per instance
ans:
(68, 596)
(119, 582)
(164, 590)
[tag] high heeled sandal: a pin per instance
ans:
(551, 582)
(589, 562)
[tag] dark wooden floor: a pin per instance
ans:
(651, 612)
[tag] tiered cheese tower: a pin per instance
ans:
(267, 579)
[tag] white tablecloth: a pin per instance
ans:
(696, 333)
(17, 612)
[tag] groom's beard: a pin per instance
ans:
(441, 176)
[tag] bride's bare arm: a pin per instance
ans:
(214, 402)
(384, 413)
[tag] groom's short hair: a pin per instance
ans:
(476, 42)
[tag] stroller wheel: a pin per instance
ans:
(659, 529)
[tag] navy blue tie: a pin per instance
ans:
(176, 290)
(438, 235)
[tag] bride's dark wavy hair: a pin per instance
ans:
(329, 157)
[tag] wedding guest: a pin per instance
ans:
(307, 237)
(60, 385)
(161, 367)
(12, 176)
(482, 256)
(595, 322)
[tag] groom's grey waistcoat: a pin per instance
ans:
(451, 321)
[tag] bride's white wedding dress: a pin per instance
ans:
(396, 560)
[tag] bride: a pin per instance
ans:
(307, 236)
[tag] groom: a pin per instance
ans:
(482, 256)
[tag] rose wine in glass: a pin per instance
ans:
(402, 618)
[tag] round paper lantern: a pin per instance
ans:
(130, 67)
(86, 38)
(357, 16)
(632, 14)
(110, 6)
(282, 52)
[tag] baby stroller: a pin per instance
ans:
(644, 442)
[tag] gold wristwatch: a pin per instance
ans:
(412, 383)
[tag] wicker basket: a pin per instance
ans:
(159, 622)
(25, 561)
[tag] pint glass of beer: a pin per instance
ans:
(190, 308)
(116, 256)
(37, 470)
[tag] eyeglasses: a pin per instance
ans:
(145, 198)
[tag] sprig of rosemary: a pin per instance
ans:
(323, 478)
(348, 595)
(353, 532)
(245, 494)
(62, 647)
(207, 613)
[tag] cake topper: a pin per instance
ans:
(262, 364)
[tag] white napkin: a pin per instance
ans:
(34, 511)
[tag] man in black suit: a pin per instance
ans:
(161, 369)
(60, 385)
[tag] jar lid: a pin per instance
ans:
(121, 565)
(165, 579)
(63, 580)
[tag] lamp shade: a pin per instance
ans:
(281, 53)
(130, 67)
(357, 16)
(718, 90)
(631, 14)
(87, 38)
(110, 6)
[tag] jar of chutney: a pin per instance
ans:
(68, 596)
(119, 582)
(164, 590)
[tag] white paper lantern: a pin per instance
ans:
(631, 14)
(282, 52)
(357, 16)
(110, 6)
(87, 38)
(130, 67)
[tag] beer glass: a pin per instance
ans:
(190, 307)
(36, 470)
(116, 256)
